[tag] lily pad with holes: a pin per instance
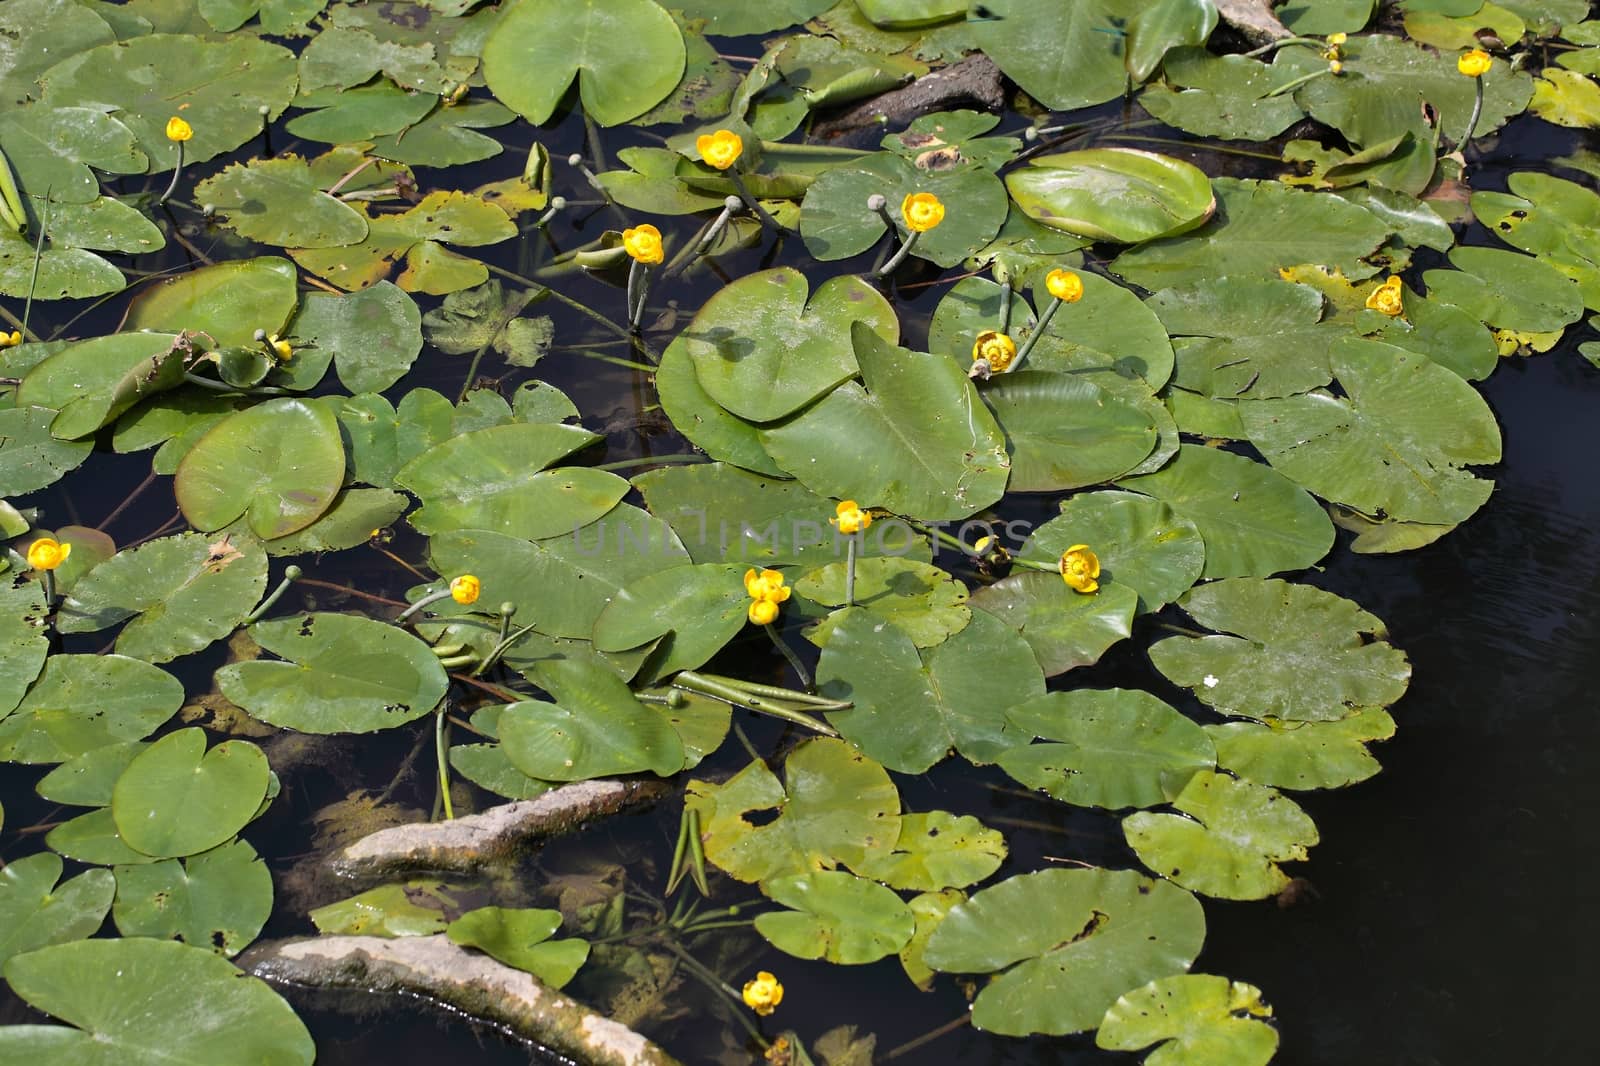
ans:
(1197, 1019)
(1230, 846)
(939, 850)
(1303, 755)
(24, 640)
(36, 911)
(218, 899)
(1287, 651)
(835, 916)
(345, 674)
(837, 808)
(921, 600)
(520, 938)
(30, 457)
(1090, 935)
(126, 699)
(1508, 290)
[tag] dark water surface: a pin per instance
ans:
(1452, 920)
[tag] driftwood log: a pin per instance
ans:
(466, 845)
(974, 82)
(1254, 20)
(438, 969)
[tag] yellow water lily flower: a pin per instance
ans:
(1474, 64)
(1388, 298)
(766, 585)
(997, 349)
(721, 149)
(763, 994)
(10, 340)
(464, 589)
(1335, 67)
(284, 350)
(922, 211)
(1064, 285)
(47, 553)
(1336, 39)
(643, 243)
(1080, 568)
(178, 130)
(850, 518)
(763, 612)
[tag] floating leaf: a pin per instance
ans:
(1566, 98)
(1066, 432)
(119, 995)
(226, 303)
(1164, 25)
(350, 521)
(93, 382)
(1254, 520)
(697, 608)
(939, 850)
(416, 908)
(1551, 218)
(1113, 194)
(417, 236)
(35, 911)
(1065, 629)
(1140, 542)
(24, 641)
(277, 201)
(1089, 936)
(93, 838)
(914, 440)
(176, 798)
(836, 916)
(1302, 755)
(488, 767)
(218, 899)
(1198, 1020)
(1507, 290)
(346, 675)
(280, 464)
(129, 699)
(352, 115)
(30, 457)
(737, 18)
(72, 27)
(595, 728)
(186, 591)
(626, 55)
(67, 266)
(1065, 56)
(52, 149)
(912, 708)
(447, 136)
(490, 318)
(1107, 748)
(87, 780)
(1300, 654)
(838, 808)
(763, 350)
(709, 426)
(1223, 96)
(1231, 846)
(923, 601)
(520, 938)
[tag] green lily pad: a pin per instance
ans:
(490, 318)
(709, 426)
(1551, 218)
(218, 86)
(280, 464)
(277, 201)
(1303, 755)
(939, 850)
(495, 479)
(345, 675)
(134, 1022)
(1198, 1019)
(1065, 629)
(839, 808)
(93, 838)
(837, 223)
(87, 780)
(72, 28)
(176, 798)
(1066, 432)
(94, 381)
(1222, 96)
(697, 608)
(736, 18)
(1113, 194)
(1089, 935)
(416, 908)
(626, 56)
(930, 909)
(923, 601)
(447, 136)
(350, 521)
(342, 116)
(1254, 520)
(1508, 290)
(914, 440)
(1566, 98)
(488, 767)
(226, 302)
(1064, 56)
(35, 911)
(53, 149)
(129, 698)
(30, 457)
(1260, 228)
(835, 916)
(1164, 25)
(67, 265)
(1394, 444)
(24, 641)
(1231, 845)
(596, 728)
(763, 350)
(284, 18)
(1450, 32)
(418, 237)
(912, 708)
(218, 899)
(520, 938)
(946, 140)
(1107, 748)
(185, 590)
(1299, 654)
(1140, 542)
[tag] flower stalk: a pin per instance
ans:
(291, 574)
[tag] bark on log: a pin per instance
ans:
(1254, 20)
(466, 845)
(435, 967)
(975, 81)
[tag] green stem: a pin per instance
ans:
(1273, 46)
(692, 682)
(176, 172)
(776, 693)
(652, 460)
(1030, 564)
(44, 221)
(900, 255)
(430, 598)
(1477, 113)
(441, 747)
(719, 986)
(850, 572)
(291, 574)
(751, 202)
(576, 305)
(1038, 331)
(788, 653)
(1291, 86)
(472, 369)
(49, 583)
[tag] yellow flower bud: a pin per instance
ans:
(464, 589)
(47, 553)
(10, 340)
(1335, 67)
(1064, 285)
(1336, 39)
(178, 130)
(763, 994)
(850, 518)
(1388, 298)
(765, 585)
(282, 348)
(922, 211)
(643, 243)
(763, 612)
(721, 149)
(1474, 64)
(1080, 568)
(996, 348)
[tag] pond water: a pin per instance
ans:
(1446, 915)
